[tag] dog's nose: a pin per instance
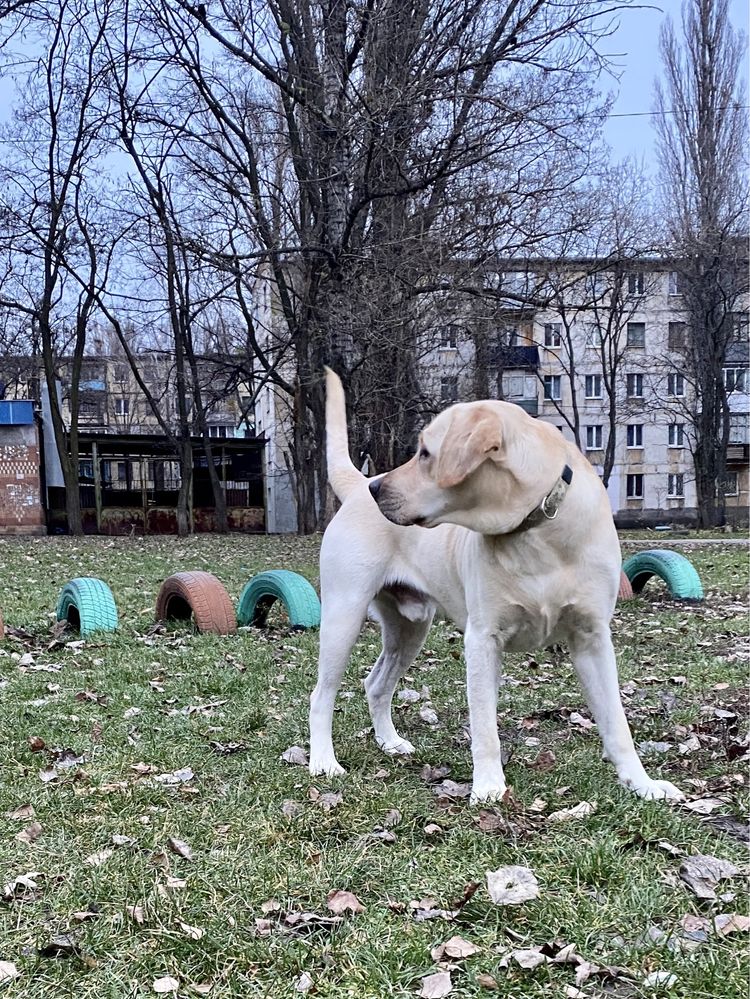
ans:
(374, 488)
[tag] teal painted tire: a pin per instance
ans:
(677, 572)
(294, 591)
(87, 605)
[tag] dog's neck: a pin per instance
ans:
(548, 508)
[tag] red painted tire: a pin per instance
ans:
(200, 596)
(626, 590)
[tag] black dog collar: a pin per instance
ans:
(548, 508)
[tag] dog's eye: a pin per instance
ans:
(423, 454)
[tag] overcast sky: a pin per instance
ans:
(636, 44)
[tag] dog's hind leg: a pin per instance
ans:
(340, 624)
(403, 637)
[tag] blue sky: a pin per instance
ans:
(636, 43)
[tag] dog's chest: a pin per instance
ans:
(522, 628)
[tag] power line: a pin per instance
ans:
(644, 114)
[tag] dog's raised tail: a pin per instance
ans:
(342, 474)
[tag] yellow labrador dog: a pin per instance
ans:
(504, 527)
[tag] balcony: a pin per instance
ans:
(738, 455)
(530, 406)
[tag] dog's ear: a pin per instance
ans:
(470, 440)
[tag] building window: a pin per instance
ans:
(516, 386)
(739, 428)
(552, 387)
(676, 336)
(122, 406)
(676, 283)
(635, 487)
(594, 336)
(636, 283)
(636, 334)
(448, 338)
(676, 385)
(593, 386)
(735, 379)
(449, 389)
(594, 438)
(675, 485)
(635, 435)
(221, 430)
(676, 434)
(634, 384)
(552, 337)
(731, 484)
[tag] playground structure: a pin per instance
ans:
(88, 605)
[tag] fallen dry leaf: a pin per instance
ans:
(330, 800)
(487, 981)
(181, 776)
(529, 958)
(99, 858)
(36, 743)
(136, 913)
(295, 755)
(30, 834)
(180, 847)
(702, 873)
(22, 813)
(194, 932)
(339, 901)
(662, 979)
(436, 986)
(303, 983)
(166, 984)
(544, 761)
(512, 885)
(579, 721)
(456, 948)
(450, 789)
(733, 922)
(8, 971)
(580, 811)
(703, 806)
(428, 715)
(291, 809)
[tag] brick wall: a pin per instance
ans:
(21, 510)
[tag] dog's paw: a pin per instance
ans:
(396, 747)
(655, 790)
(486, 792)
(330, 767)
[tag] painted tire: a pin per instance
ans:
(87, 605)
(294, 591)
(676, 571)
(200, 596)
(626, 590)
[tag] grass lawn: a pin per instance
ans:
(205, 880)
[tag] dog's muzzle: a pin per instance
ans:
(374, 487)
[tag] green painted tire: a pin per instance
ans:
(87, 605)
(294, 591)
(677, 572)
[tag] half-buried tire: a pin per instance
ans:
(294, 591)
(676, 571)
(87, 605)
(626, 590)
(200, 596)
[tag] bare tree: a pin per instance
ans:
(702, 142)
(365, 148)
(58, 139)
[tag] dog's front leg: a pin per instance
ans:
(594, 659)
(482, 653)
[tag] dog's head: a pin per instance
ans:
(483, 465)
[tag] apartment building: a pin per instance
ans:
(576, 342)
